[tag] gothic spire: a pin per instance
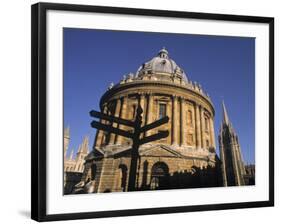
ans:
(71, 154)
(225, 115)
(86, 144)
(84, 147)
(67, 132)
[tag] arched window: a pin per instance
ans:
(123, 169)
(159, 176)
(162, 110)
(189, 117)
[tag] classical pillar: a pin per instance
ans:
(116, 114)
(197, 126)
(212, 132)
(100, 133)
(203, 143)
(183, 123)
(122, 115)
(119, 115)
(149, 111)
(142, 101)
(175, 121)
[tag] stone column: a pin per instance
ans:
(100, 133)
(122, 115)
(149, 111)
(175, 121)
(116, 114)
(183, 123)
(203, 142)
(212, 132)
(197, 126)
(142, 102)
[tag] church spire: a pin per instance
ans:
(225, 115)
(71, 154)
(84, 147)
(232, 165)
(86, 144)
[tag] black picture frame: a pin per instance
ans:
(39, 122)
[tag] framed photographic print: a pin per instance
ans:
(138, 111)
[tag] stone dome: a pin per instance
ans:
(162, 67)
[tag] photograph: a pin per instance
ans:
(151, 111)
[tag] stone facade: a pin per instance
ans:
(73, 166)
(186, 158)
(250, 174)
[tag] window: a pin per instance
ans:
(162, 110)
(159, 176)
(123, 172)
(189, 117)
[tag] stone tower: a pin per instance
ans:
(66, 138)
(232, 165)
(83, 151)
(74, 165)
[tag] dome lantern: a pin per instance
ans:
(163, 53)
(162, 67)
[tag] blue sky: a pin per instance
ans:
(224, 66)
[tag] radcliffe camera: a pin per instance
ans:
(146, 113)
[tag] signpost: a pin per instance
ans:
(134, 135)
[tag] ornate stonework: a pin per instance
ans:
(73, 165)
(161, 88)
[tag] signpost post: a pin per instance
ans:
(135, 135)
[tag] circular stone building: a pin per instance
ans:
(186, 158)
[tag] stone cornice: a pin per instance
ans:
(138, 83)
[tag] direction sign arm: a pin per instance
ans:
(111, 129)
(159, 135)
(155, 124)
(100, 115)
